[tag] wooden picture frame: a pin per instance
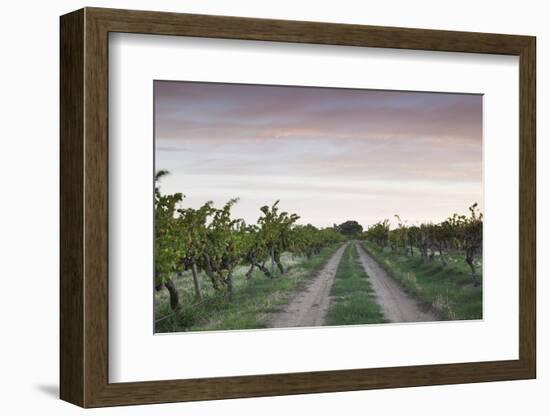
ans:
(84, 207)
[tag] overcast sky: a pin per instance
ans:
(328, 154)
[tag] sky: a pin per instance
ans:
(327, 154)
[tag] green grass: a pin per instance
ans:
(252, 300)
(353, 302)
(446, 289)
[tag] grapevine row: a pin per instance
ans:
(210, 240)
(458, 233)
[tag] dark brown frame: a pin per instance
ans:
(84, 209)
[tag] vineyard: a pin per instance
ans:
(458, 234)
(438, 264)
(215, 271)
(210, 241)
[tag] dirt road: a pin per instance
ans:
(396, 304)
(309, 306)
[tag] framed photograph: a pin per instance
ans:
(254, 207)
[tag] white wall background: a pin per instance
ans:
(29, 84)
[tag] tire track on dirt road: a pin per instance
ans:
(396, 304)
(309, 306)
